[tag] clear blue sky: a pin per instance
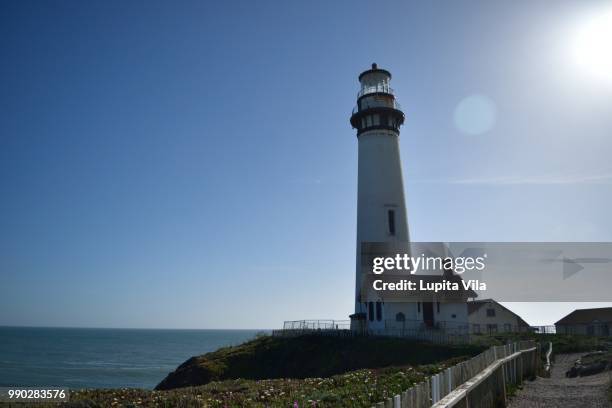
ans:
(191, 164)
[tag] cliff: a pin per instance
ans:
(306, 356)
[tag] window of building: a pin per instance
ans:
(492, 328)
(371, 311)
(476, 328)
(438, 306)
(419, 307)
(507, 327)
(369, 120)
(376, 120)
(391, 220)
(378, 311)
(490, 312)
(400, 317)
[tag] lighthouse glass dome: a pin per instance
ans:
(376, 107)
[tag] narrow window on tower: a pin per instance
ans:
(378, 311)
(371, 311)
(391, 220)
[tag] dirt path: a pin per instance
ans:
(559, 391)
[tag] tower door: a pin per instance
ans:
(428, 314)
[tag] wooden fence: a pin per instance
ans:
(481, 381)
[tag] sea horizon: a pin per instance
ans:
(83, 357)
(124, 328)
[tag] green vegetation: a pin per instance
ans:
(307, 356)
(360, 388)
(512, 389)
(562, 343)
(594, 358)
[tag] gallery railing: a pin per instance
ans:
(386, 103)
(375, 89)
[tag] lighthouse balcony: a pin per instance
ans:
(376, 103)
(377, 118)
(379, 88)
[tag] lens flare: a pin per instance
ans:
(591, 46)
(475, 115)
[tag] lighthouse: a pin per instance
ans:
(381, 206)
(381, 213)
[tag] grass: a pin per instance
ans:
(359, 388)
(597, 358)
(512, 390)
(562, 343)
(308, 357)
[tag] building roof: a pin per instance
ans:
(373, 70)
(475, 305)
(584, 316)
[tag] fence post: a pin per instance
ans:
(434, 393)
(504, 380)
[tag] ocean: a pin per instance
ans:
(102, 358)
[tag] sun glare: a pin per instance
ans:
(592, 46)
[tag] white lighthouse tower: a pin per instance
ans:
(381, 213)
(381, 207)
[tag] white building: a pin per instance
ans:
(489, 317)
(381, 209)
(590, 322)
